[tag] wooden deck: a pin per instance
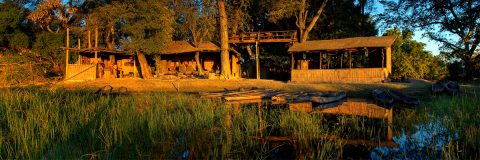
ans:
(264, 37)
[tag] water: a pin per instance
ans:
(426, 143)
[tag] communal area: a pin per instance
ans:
(358, 59)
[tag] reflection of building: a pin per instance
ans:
(360, 59)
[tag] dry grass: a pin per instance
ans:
(140, 85)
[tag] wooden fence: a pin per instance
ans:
(339, 75)
(81, 72)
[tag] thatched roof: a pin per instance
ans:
(346, 43)
(176, 47)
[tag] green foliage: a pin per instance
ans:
(10, 16)
(148, 25)
(11, 33)
(344, 19)
(19, 40)
(410, 60)
(453, 23)
(47, 45)
(196, 21)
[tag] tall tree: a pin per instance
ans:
(454, 23)
(239, 18)
(12, 33)
(107, 19)
(344, 19)
(196, 22)
(53, 15)
(224, 55)
(300, 9)
(148, 25)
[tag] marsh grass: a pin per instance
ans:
(37, 123)
(458, 119)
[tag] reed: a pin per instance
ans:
(37, 123)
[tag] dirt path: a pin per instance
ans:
(204, 85)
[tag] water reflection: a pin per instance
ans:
(426, 143)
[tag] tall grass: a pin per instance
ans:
(458, 115)
(37, 123)
(60, 124)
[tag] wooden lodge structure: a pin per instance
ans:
(248, 38)
(359, 59)
(94, 62)
(179, 57)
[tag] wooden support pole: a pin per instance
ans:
(341, 60)
(79, 56)
(389, 59)
(321, 59)
(96, 45)
(390, 124)
(134, 67)
(89, 40)
(328, 61)
(350, 59)
(383, 59)
(257, 61)
(67, 47)
(293, 61)
(235, 67)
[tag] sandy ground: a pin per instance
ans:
(204, 85)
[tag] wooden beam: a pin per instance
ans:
(328, 61)
(96, 44)
(321, 59)
(79, 56)
(134, 67)
(350, 59)
(293, 61)
(341, 60)
(383, 59)
(390, 124)
(66, 53)
(257, 61)
(389, 59)
(89, 40)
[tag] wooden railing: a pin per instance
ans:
(340, 75)
(272, 36)
(81, 72)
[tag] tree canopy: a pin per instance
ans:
(454, 23)
(144, 26)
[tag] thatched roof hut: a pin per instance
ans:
(358, 59)
(176, 47)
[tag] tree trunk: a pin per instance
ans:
(469, 68)
(146, 70)
(301, 20)
(199, 65)
(225, 59)
(157, 64)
